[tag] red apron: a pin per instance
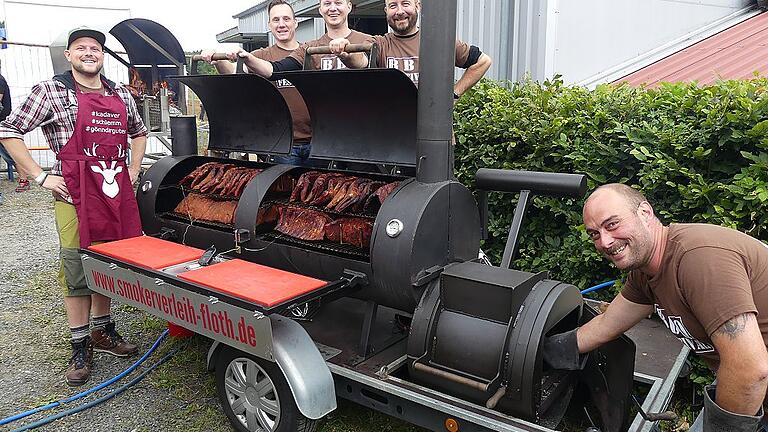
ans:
(94, 169)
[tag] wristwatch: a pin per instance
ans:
(40, 179)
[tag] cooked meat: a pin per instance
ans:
(303, 185)
(225, 182)
(354, 191)
(196, 174)
(302, 223)
(285, 183)
(268, 215)
(332, 187)
(357, 195)
(380, 195)
(319, 186)
(213, 178)
(199, 208)
(352, 231)
(239, 187)
(358, 203)
(340, 191)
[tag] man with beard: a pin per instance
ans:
(87, 121)
(282, 25)
(399, 49)
(708, 284)
(335, 13)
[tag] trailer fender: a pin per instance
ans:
(298, 358)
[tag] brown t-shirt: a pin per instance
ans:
(328, 61)
(402, 52)
(302, 129)
(709, 274)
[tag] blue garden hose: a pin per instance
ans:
(87, 392)
(598, 287)
(104, 398)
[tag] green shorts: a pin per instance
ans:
(71, 276)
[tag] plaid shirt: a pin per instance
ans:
(52, 105)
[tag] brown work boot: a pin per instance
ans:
(108, 340)
(79, 369)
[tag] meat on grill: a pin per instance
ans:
(380, 195)
(302, 223)
(285, 183)
(356, 193)
(352, 231)
(200, 208)
(221, 179)
(268, 215)
(319, 186)
(303, 185)
(340, 191)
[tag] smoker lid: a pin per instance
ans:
(246, 113)
(360, 115)
(148, 43)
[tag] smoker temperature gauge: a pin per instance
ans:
(146, 186)
(394, 228)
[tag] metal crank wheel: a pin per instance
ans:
(255, 395)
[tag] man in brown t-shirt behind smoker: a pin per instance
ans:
(708, 284)
(282, 25)
(399, 49)
(335, 13)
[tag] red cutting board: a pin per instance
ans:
(148, 252)
(260, 284)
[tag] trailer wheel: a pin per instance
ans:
(255, 395)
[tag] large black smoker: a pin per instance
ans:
(414, 325)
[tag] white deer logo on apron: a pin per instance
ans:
(109, 186)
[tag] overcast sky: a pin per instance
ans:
(194, 23)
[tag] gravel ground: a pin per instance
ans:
(35, 342)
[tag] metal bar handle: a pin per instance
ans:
(351, 48)
(458, 379)
(544, 183)
(215, 56)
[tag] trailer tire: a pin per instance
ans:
(268, 406)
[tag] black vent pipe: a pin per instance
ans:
(435, 110)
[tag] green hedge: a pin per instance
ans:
(700, 154)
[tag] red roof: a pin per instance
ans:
(735, 53)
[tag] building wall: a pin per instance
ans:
(584, 41)
(622, 30)
(480, 24)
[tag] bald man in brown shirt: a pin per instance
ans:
(708, 284)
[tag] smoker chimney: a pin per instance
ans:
(435, 109)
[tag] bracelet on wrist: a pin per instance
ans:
(40, 179)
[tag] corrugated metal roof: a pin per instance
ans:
(735, 53)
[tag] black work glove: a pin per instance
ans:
(561, 351)
(717, 419)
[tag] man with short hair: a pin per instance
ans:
(335, 13)
(708, 284)
(87, 121)
(399, 49)
(282, 25)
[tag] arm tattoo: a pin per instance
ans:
(733, 327)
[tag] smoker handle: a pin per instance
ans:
(351, 48)
(215, 56)
(543, 183)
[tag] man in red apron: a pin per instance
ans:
(86, 120)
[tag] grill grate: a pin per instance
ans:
(179, 217)
(186, 191)
(320, 246)
(287, 202)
